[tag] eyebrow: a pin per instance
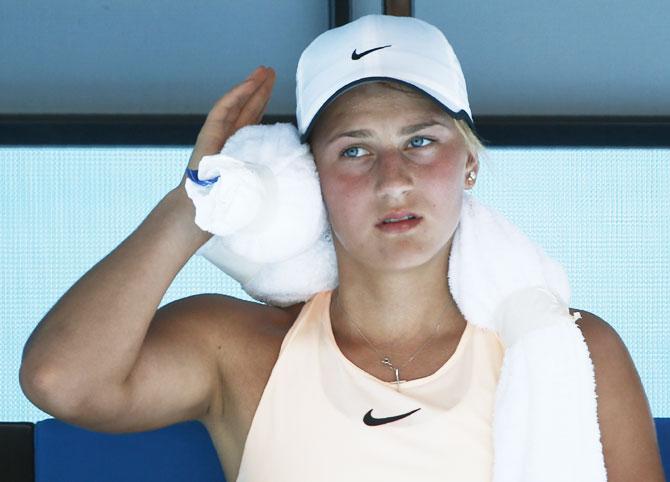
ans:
(363, 133)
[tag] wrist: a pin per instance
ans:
(182, 207)
(192, 174)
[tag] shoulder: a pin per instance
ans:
(240, 329)
(229, 330)
(601, 338)
(242, 336)
(607, 350)
(627, 427)
(224, 316)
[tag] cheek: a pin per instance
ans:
(343, 197)
(444, 177)
(443, 187)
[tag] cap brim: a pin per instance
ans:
(460, 115)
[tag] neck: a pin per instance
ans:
(394, 310)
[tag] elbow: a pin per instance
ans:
(55, 396)
(44, 391)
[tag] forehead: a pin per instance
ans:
(371, 98)
(371, 93)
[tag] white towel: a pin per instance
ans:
(270, 226)
(545, 425)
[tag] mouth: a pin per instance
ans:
(399, 222)
(395, 217)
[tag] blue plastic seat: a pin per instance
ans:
(663, 435)
(178, 453)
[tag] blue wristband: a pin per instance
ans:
(193, 176)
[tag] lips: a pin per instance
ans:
(397, 215)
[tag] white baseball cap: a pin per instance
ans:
(379, 47)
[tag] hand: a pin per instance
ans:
(243, 105)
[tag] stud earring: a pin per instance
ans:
(472, 176)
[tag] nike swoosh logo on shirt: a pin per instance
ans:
(356, 56)
(368, 419)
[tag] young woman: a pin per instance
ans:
(386, 149)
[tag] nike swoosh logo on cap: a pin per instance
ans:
(356, 56)
(368, 419)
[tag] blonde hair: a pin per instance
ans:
(475, 146)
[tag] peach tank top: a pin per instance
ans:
(313, 422)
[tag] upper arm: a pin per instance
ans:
(176, 376)
(628, 433)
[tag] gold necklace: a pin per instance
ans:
(385, 359)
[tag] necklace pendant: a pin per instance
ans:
(386, 361)
(398, 381)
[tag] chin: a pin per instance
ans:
(399, 258)
(391, 254)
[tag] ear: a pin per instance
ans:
(472, 164)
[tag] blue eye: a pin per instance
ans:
(354, 152)
(418, 141)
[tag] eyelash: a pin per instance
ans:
(342, 154)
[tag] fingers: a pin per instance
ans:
(252, 112)
(242, 105)
(235, 99)
(235, 109)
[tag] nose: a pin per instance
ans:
(393, 176)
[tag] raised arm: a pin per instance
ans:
(103, 357)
